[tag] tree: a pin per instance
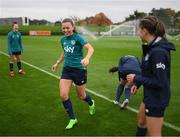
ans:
(177, 20)
(39, 22)
(136, 15)
(139, 15)
(165, 15)
(57, 23)
(99, 19)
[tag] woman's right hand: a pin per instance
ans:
(54, 67)
(133, 89)
(130, 78)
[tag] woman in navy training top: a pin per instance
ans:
(155, 76)
(127, 64)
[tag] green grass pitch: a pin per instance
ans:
(30, 104)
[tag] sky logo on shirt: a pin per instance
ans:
(160, 65)
(69, 49)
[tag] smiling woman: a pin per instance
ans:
(74, 69)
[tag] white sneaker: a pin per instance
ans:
(125, 103)
(115, 102)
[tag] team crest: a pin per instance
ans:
(13, 36)
(146, 57)
(73, 42)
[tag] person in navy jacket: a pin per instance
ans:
(155, 76)
(127, 64)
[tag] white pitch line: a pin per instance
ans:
(92, 92)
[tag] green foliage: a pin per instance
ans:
(165, 15)
(55, 30)
(39, 22)
(177, 20)
(136, 15)
(168, 16)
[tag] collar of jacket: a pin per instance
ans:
(150, 45)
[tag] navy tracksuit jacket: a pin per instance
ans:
(155, 76)
(129, 64)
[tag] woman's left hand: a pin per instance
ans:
(85, 61)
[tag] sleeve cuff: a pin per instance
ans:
(137, 80)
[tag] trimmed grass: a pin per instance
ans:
(30, 104)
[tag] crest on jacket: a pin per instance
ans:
(146, 57)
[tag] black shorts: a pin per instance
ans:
(16, 53)
(123, 75)
(155, 111)
(78, 76)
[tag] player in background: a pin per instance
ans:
(15, 49)
(127, 64)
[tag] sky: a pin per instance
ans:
(54, 10)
